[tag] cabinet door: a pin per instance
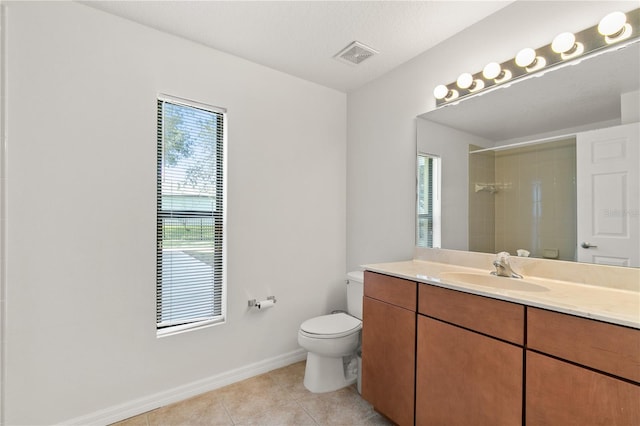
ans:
(465, 378)
(388, 359)
(606, 347)
(496, 318)
(559, 393)
(389, 289)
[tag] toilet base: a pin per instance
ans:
(326, 374)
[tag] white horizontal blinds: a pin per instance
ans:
(189, 264)
(425, 200)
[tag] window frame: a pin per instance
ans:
(434, 216)
(219, 220)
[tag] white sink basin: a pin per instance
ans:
(488, 280)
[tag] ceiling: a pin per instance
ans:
(301, 37)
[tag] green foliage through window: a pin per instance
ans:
(428, 201)
(190, 219)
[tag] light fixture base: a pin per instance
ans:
(590, 41)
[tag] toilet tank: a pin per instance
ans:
(355, 291)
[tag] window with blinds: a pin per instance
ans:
(190, 260)
(428, 214)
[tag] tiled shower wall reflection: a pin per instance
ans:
(482, 172)
(531, 196)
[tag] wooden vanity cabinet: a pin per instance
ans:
(581, 371)
(436, 356)
(388, 346)
(469, 368)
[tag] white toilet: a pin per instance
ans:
(332, 341)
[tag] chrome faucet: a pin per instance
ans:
(503, 267)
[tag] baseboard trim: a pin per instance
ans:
(142, 405)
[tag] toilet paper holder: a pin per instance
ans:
(256, 303)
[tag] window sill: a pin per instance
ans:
(179, 329)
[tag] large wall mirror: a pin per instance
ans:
(547, 166)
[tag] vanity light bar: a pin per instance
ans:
(611, 30)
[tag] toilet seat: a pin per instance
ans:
(330, 326)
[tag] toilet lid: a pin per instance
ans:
(339, 323)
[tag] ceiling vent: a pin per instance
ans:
(355, 53)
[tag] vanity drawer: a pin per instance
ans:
(395, 291)
(497, 318)
(606, 347)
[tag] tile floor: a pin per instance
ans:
(275, 398)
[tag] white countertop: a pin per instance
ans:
(611, 305)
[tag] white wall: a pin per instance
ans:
(381, 121)
(630, 105)
(80, 279)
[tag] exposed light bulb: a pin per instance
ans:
(525, 57)
(491, 70)
(563, 42)
(440, 92)
(465, 80)
(612, 23)
(614, 27)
